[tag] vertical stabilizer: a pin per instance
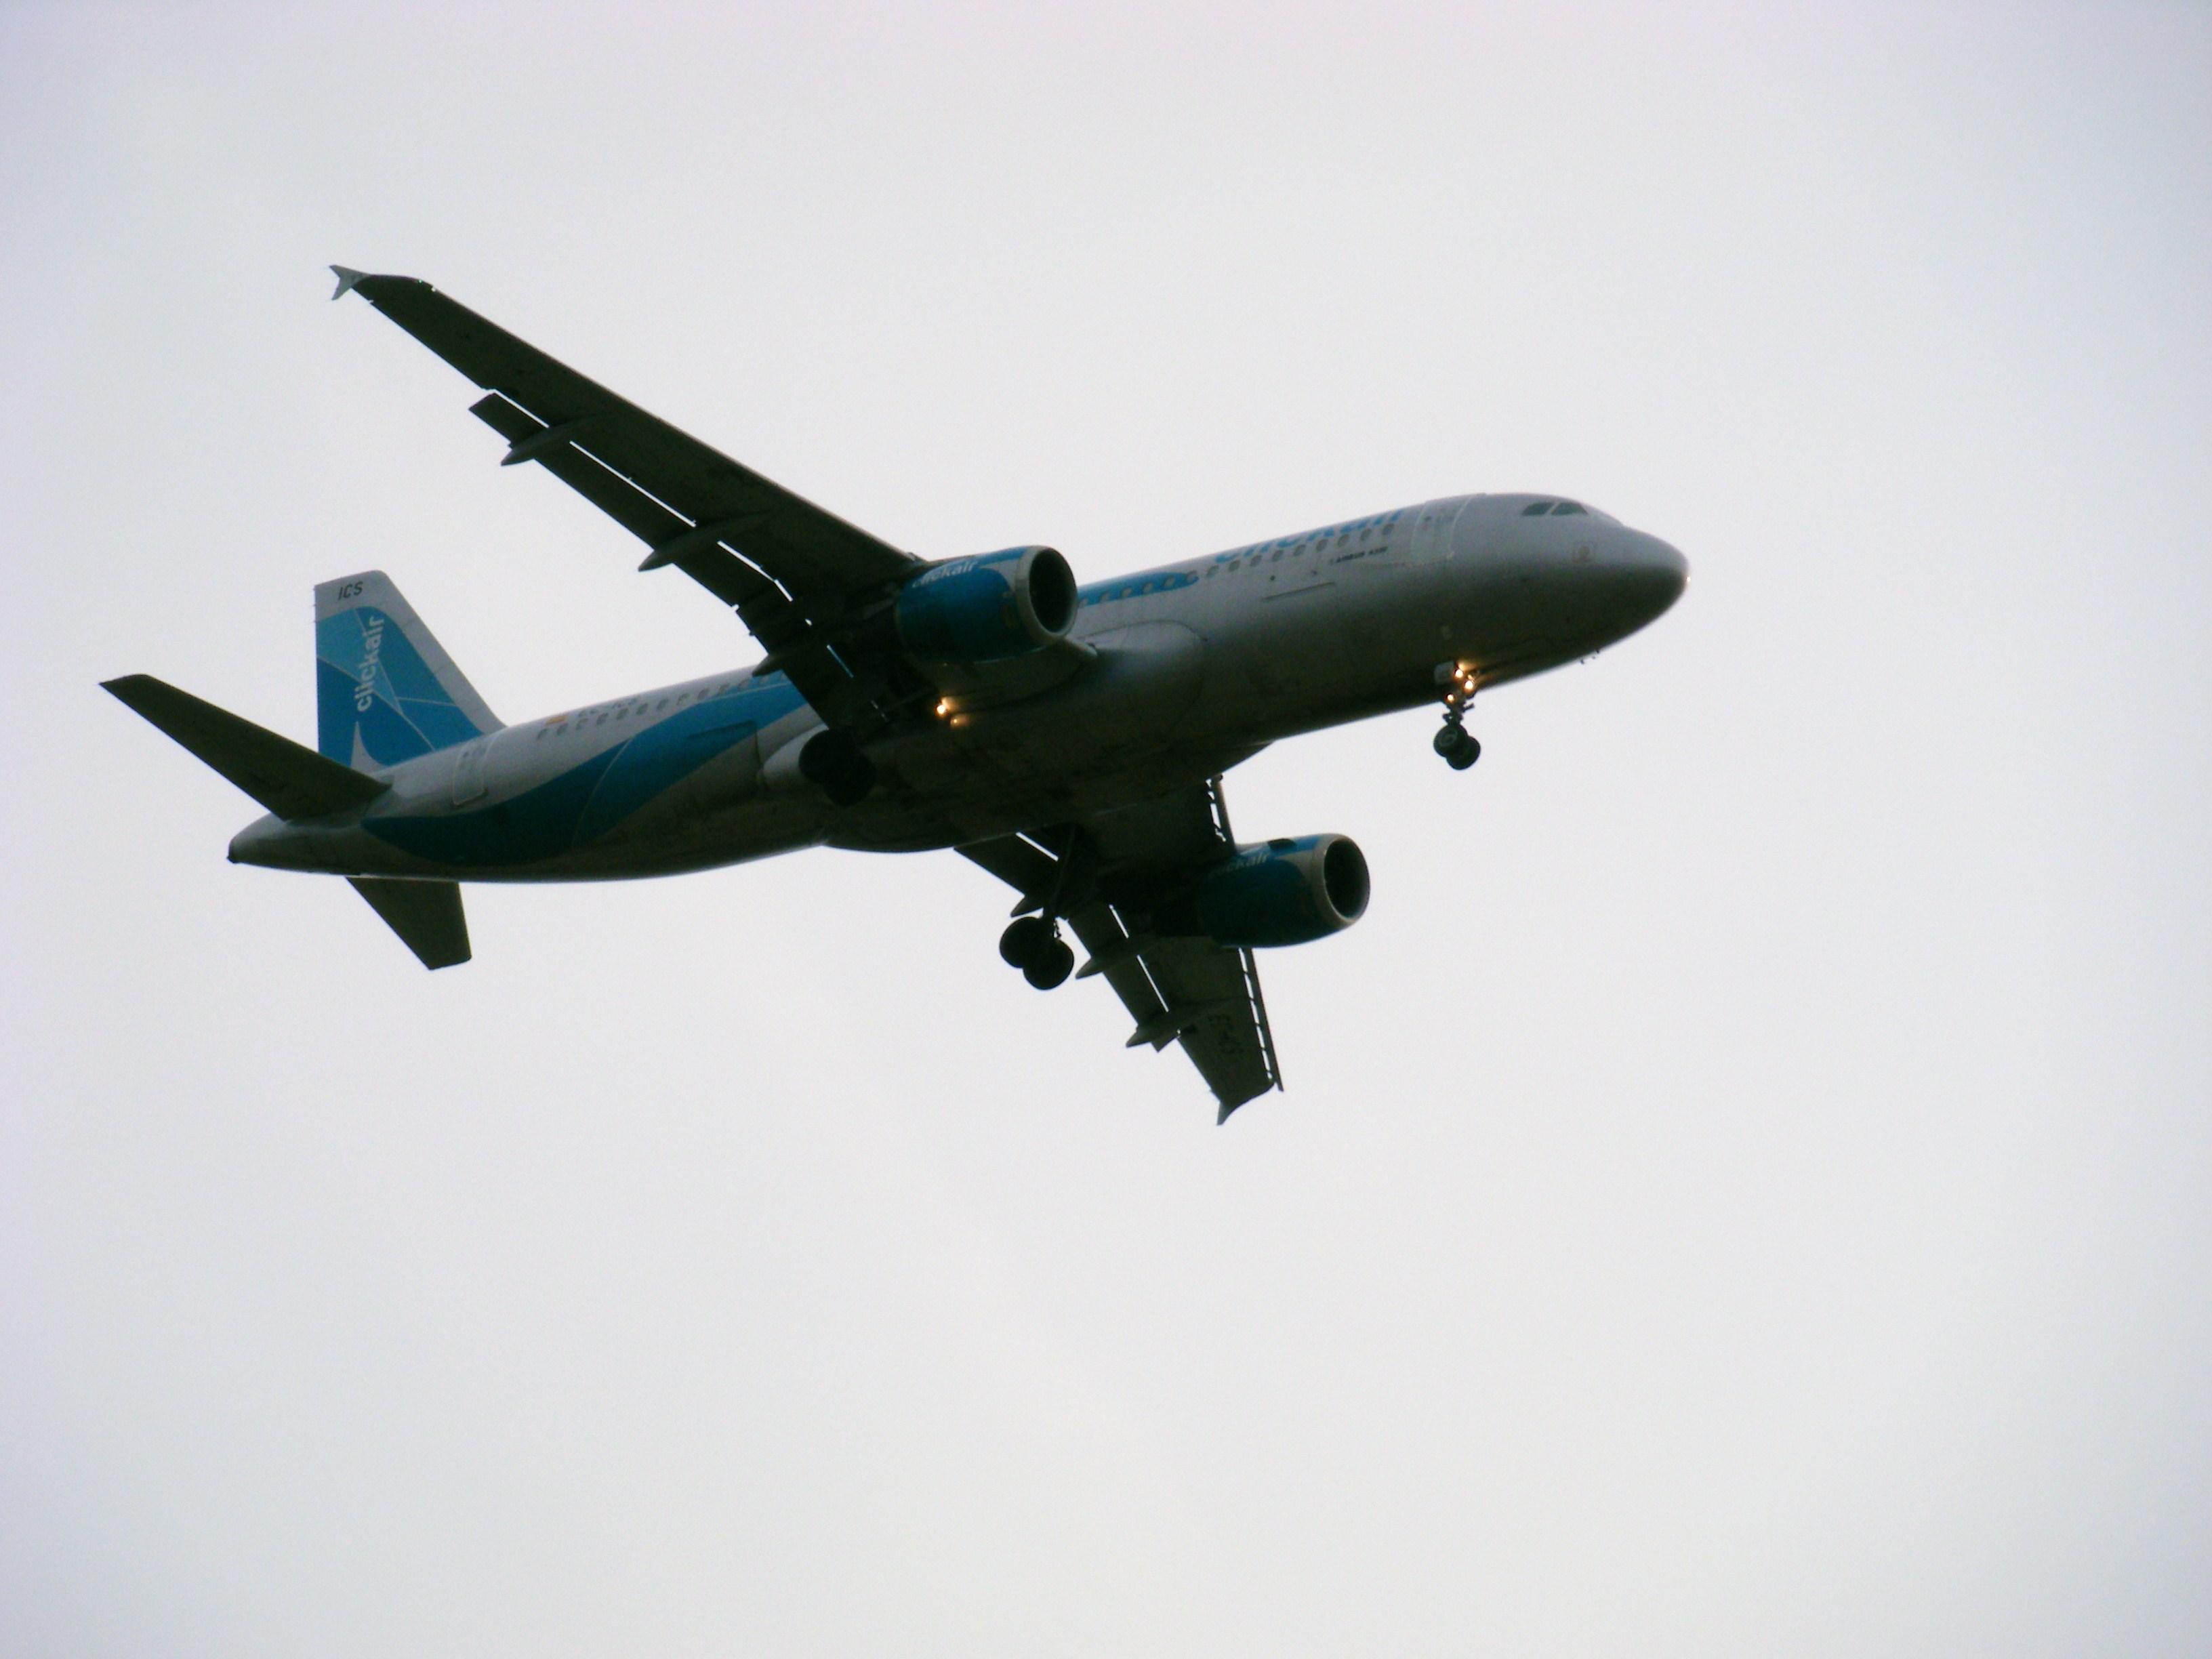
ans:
(385, 692)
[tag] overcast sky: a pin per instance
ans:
(1742, 1190)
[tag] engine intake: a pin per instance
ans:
(988, 607)
(1287, 891)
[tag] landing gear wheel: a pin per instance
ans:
(1051, 965)
(1459, 750)
(1024, 938)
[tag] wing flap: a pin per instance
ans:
(1178, 989)
(1106, 940)
(705, 560)
(1229, 1040)
(806, 549)
(697, 550)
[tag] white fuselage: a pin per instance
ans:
(1198, 666)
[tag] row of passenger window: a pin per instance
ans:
(1341, 534)
(1311, 542)
(1130, 589)
(559, 725)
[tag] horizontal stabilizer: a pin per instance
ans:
(289, 779)
(425, 915)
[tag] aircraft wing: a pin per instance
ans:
(1095, 873)
(799, 577)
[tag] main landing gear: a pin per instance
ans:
(1033, 945)
(1459, 748)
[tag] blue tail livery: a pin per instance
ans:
(385, 692)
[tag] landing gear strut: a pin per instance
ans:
(1459, 750)
(1033, 945)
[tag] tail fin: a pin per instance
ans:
(385, 692)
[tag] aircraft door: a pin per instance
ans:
(1432, 530)
(469, 771)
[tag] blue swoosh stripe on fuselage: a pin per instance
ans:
(589, 799)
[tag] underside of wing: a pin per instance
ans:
(801, 579)
(1178, 988)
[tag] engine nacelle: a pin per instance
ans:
(992, 606)
(1286, 891)
(822, 761)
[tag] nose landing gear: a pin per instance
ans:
(1033, 945)
(1460, 750)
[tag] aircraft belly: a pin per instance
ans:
(1316, 655)
(677, 837)
(1125, 706)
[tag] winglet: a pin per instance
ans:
(348, 281)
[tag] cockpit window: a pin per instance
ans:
(1565, 507)
(1535, 509)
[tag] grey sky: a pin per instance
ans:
(1742, 1189)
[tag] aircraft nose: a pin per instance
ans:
(1657, 571)
(1666, 563)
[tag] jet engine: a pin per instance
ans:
(821, 759)
(1286, 891)
(987, 608)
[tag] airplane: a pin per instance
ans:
(1069, 739)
